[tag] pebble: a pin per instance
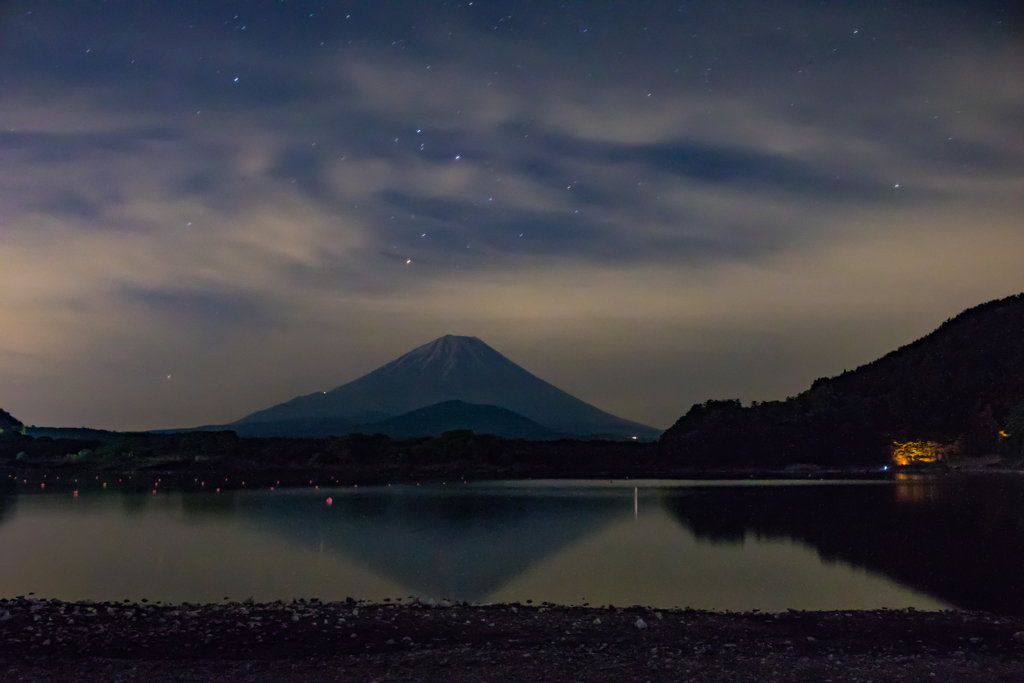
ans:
(315, 628)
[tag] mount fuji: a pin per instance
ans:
(448, 369)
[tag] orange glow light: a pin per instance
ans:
(911, 452)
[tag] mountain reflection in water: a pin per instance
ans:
(464, 543)
(724, 545)
(960, 540)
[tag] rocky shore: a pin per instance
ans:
(309, 641)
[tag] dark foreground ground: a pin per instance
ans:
(44, 640)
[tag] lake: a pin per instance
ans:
(726, 545)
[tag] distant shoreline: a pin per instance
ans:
(33, 481)
(262, 477)
(192, 461)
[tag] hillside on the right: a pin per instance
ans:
(954, 394)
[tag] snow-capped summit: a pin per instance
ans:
(448, 353)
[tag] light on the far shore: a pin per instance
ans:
(915, 452)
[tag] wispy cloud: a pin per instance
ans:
(618, 188)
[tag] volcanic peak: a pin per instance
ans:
(446, 354)
(451, 368)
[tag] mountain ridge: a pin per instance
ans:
(451, 368)
(956, 390)
(450, 416)
(10, 424)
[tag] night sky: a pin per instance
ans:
(207, 208)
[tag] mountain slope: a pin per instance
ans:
(958, 388)
(451, 369)
(10, 424)
(452, 415)
(73, 433)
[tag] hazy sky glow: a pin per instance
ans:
(647, 205)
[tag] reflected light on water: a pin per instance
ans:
(915, 489)
(652, 560)
(103, 554)
(715, 545)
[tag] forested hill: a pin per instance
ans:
(9, 423)
(958, 391)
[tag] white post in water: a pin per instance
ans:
(636, 508)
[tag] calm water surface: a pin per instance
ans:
(717, 545)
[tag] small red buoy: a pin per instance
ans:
(330, 501)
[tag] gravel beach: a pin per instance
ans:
(310, 641)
